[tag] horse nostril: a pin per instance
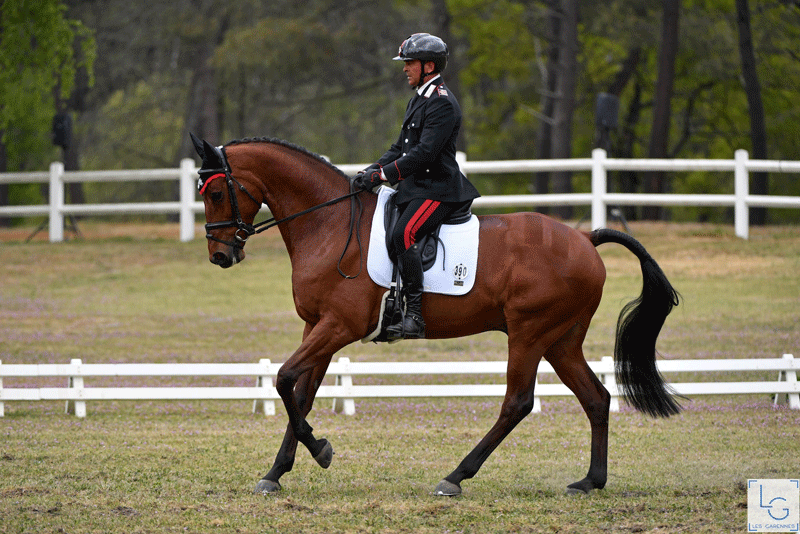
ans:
(221, 259)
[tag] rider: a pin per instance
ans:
(422, 164)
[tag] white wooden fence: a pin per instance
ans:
(599, 199)
(344, 392)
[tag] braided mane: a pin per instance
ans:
(291, 146)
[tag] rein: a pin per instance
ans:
(355, 223)
(248, 230)
(271, 222)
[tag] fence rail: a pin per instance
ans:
(344, 392)
(599, 199)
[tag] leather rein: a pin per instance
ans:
(244, 230)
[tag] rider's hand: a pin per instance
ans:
(368, 179)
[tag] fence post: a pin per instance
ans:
(599, 188)
(264, 381)
(348, 406)
(187, 187)
(461, 159)
(2, 407)
(537, 401)
(741, 185)
(56, 202)
(610, 382)
(76, 407)
(790, 376)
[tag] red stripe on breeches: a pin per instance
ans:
(417, 220)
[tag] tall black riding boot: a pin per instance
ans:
(410, 267)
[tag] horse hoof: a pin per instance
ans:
(325, 457)
(576, 491)
(447, 489)
(582, 487)
(265, 486)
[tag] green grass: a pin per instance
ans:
(191, 466)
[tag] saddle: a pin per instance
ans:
(428, 244)
(391, 306)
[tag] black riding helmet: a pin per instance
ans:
(425, 47)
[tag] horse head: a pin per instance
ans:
(230, 208)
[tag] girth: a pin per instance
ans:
(429, 243)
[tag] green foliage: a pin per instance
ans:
(25, 194)
(37, 63)
(502, 75)
(305, 78)
(319, 74)
(152, 111)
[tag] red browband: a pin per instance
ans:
(205, 184)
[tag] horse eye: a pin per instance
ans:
(216, 196)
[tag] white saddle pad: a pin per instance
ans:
(456, 265)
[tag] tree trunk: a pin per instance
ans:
(565, 98)
(76, 194)
(659, 136)
(544, 134)
(626, 180)
(758, 131)
(442, 22)
(627, 71)
(202, 113)
(629, 180)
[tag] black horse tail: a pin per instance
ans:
(638, 327)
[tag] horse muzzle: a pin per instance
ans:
(227, 259)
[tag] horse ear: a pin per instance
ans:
(198, 145)
(210, 154)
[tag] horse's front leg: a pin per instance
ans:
(305, 392)
(312, 358)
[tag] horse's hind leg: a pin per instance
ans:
(566, 357)
(518, 402)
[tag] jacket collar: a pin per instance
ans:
(427, 88)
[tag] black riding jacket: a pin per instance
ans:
(423, 159)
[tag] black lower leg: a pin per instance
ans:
(512, 413)
(410, 265)
(302, 431)
(284, 461)
(598, 466)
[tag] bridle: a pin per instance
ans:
(245, 230)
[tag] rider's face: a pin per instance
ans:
(413, 70)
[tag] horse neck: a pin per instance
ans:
(292, 182)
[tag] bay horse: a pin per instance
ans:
(539, 281)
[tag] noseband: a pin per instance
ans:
(245, 230)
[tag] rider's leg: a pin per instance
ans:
(410, 266)
(418, 218)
